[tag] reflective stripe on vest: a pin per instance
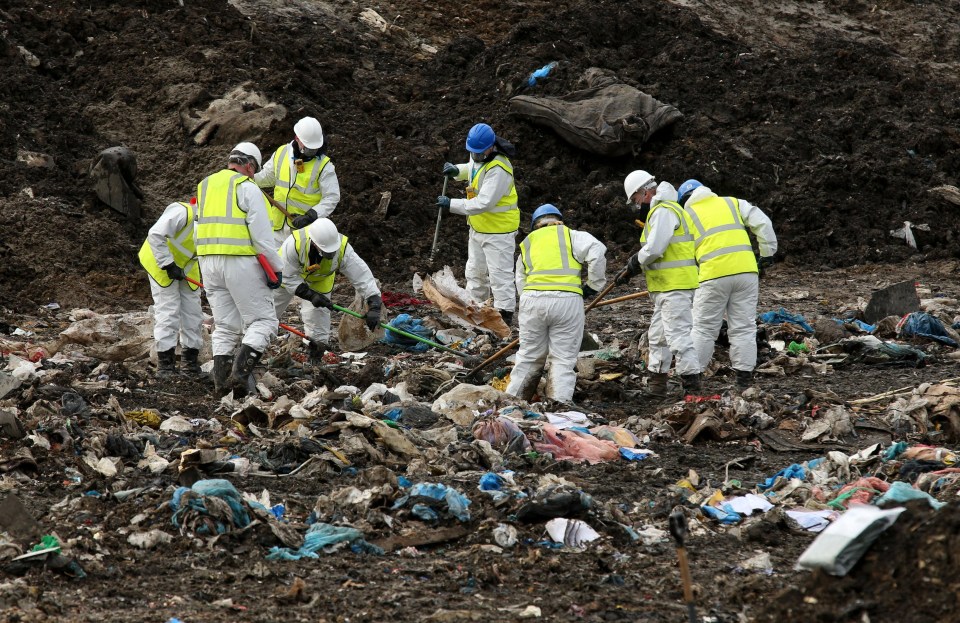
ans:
(298, 191)
(182, 246)
(221, 224)
(548, 260)
(504, 217)
(676, 269)
(722, 243)
(318, 277)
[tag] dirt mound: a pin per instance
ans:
(827, 120)
(910, 574)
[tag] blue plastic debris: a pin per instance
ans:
(866, 328)
(793, 471)
(320, 536)
(193, 500)
(921, 324)
(543, 72)
(900, 492)
(634, 454)
(433, 496)
(408, 323)
(491, 482)
(780, 316)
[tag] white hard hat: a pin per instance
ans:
(324, 234)
(309, 132)
(249, 149)
(635, 181)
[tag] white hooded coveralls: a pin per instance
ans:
(735, 296)
(489, 266)
(551, 323)
(176, 308)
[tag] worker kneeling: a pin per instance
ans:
(313, 256)
(551, 302)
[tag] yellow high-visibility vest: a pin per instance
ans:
(505, 215)
(548, 260)
(318, 277)
(221, 224)
(297, 190)
(721, 240)
(676, 269)
(183, 247)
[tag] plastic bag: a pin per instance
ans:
(353, 333)
(501, 433)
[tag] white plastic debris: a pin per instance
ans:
(148, 540)
(571, 532)
(843, 542)
(176, 424)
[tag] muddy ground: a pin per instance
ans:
(835, 118)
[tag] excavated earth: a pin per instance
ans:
(836, 118)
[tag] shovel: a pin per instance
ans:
(436, 232)
(467, 358)
(678, 528)
(503, 351)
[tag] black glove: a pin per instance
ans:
(318, 300)
(631, 270)
(273, 285)
(588, 291)
(765, 262)
(444, 204)
(305, 219)
(450, 169)
(175, 272)
(373, 312)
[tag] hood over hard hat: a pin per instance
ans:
(309, 132)
(324, 234)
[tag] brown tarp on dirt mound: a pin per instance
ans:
(607, 118)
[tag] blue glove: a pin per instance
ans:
(444, 203)
(273, 285)
(450, 169)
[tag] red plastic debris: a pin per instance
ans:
(699, 399)
(401, 299)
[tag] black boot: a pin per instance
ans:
(691, 383)
(166, 363)
(744, 378)
(507, 316)
(243, 365)
(657, 385)
(221, 370)
(190, 364)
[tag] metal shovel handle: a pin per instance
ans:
(436, 231)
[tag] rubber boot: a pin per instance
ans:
(222, 365)
(243, 365)
(657, 385)
(166, 363)
(744, 378)
(691, 383)
(190, 364)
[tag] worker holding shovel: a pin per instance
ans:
(312, 257)
(492, 214)
(551, 302)
(666, 257)
(232, 230)
(169, 255)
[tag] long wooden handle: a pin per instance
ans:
(621, 299)
(602, 294)
(685, 575)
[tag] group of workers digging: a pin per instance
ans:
(696, 255)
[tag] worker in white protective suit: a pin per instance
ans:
(169, 255)
(666, 257)
(304, 181)
(492, 214)
(312, 257)
(232, 229)
(728, 273)
(551, 302)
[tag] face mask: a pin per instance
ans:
(309, 153)
(328, 255)
(481, 158)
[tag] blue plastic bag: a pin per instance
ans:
(782, 315)
(428, 495)
(543, 72)
(921, 324)
(406, 322)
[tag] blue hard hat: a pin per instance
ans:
(545, 209)
(688, 187)
(480, 138)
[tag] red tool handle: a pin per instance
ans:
(287, 327)
(267, 268)
(194, 282)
